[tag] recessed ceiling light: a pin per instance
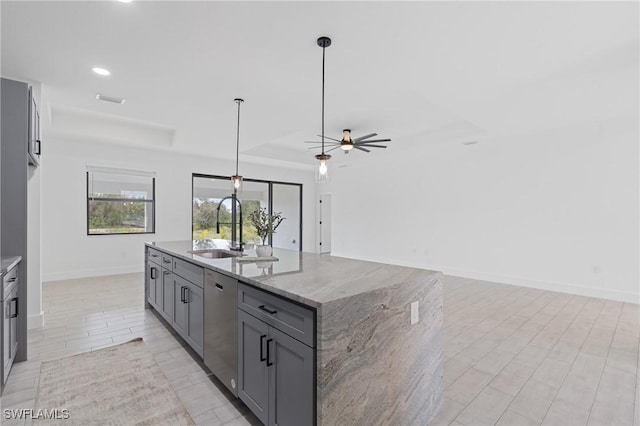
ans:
(125, 1)
(469, 143)
(101, 71)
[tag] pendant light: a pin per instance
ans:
(322, 172)
(236, 180)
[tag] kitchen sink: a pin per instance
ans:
(215, 253)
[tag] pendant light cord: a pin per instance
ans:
(238, 137)
(323, 49)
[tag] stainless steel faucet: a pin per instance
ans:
(235, 245)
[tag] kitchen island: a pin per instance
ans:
(377, 330)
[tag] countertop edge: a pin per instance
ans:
(292, 296)
(9, 262)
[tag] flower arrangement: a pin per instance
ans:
(265, 223)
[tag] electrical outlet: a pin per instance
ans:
(415, 317)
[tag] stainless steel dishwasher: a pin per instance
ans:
(221, 328)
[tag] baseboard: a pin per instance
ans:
(94, 272)
(35, 321)
(544, 285)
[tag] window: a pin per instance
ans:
(283, 197)
(120, 201)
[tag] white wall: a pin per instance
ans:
(67, 252)
(557, 209)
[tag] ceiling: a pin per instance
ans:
(417, 72)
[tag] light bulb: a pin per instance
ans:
(323, 167)
(236, 183)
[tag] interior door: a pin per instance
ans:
(324, 223)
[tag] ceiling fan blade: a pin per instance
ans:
(369, 146)
(370, 135)
(327, 137)
(375, 140)
(361, 149)
(326, 143)
(329, 150)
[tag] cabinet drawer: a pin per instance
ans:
(167, 262)
(288, 317)
(8, 282)
(155, 256)
(189, 271)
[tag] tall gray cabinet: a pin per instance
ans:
(14, 162)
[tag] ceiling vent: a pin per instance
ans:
(101, 97)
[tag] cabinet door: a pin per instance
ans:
(152, 277)
(291, 370)
(180, 306)
(159, 289)
(253, 375)
(9, 330)
(6, 337)
(195, 302)
(13, 328)
(167, 295)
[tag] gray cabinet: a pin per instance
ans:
(253, 374)
(188, 312)
(34, 147)
(276, 372)
(153, 273)
(180, 307)
(174, 288)
(291, 389)
(195, 332)
(167, 295)
(14, 171)
(9, 314)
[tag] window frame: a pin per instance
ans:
(152, 201)
(270, 205)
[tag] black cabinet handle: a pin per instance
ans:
(166, 272)
(12, 279)
(262, 357)
(153, 273)
(267, 310)
(187, 294)
(166, 261)
(219, 287)
(15, 299)
(269, 363)
(182, 289)
(38, 146)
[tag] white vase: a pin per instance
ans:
(264, 251)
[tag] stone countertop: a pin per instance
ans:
(311, 279)
(9, 262)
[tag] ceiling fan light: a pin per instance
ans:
(346, 146)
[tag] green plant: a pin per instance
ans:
(265, 223)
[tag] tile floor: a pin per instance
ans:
(513, 356)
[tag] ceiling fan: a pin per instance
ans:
(347, 143)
